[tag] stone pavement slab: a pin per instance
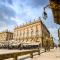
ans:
(52, 55)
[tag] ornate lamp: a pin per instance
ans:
(45, 15)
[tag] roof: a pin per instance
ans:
(28, 23)
(6, 32)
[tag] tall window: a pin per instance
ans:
(31, 30)
(23, 33)
(36, 31)
(20, 33)
(17, 33)
(27, 32)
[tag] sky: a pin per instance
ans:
(17, 12)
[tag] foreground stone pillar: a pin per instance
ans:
(15, 58)
(31, 55)
(38, 51)
(45, 49)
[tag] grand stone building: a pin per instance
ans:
(5, 36)
(32, 32)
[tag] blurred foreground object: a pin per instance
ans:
(59, 37)
(55, 6)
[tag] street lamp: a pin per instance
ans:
(44, 13)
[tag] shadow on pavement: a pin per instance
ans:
(29, 56)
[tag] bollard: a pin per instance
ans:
(31, 55)
(45, 49)
(38, 51)
(15, 58)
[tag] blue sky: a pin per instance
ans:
(16, 12)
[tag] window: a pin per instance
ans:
(37, 30)
(20, 33)
(31, 30)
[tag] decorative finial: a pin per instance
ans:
(23, 24)
(6, 30)
(30, 21)
(39, 18)
(34, 20)
(26, 22)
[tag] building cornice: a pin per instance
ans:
(28, 24)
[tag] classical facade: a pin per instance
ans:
(5, 36)
(31, 32)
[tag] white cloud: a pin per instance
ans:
(20, 11)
